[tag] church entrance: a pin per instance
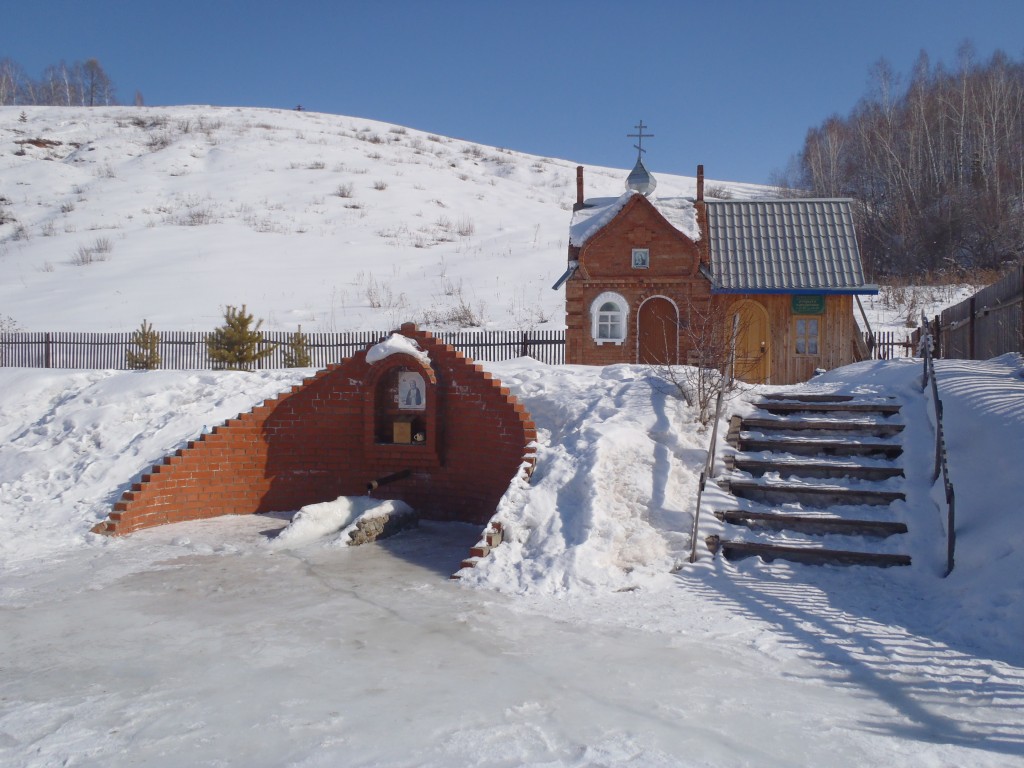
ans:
(753, 344)
(657, 332)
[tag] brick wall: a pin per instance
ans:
(317, 442)
(606, 265)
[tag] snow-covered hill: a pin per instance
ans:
(112, 215)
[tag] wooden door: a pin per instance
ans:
(657, 332)
(753, 343)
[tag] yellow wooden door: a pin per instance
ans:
(753, 342)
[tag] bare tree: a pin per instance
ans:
(709, 335)
(937, 165)
(65, 85)
(12, 83)
(96, 86)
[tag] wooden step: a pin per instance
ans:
(824, 469)
(735, 550)
(820, 496)
(782, 407)
(816, 525)
(808, 398)
(802, 447)
(876, 429)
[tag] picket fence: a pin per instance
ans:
(184, 350)
(891, 344)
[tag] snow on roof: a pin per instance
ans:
(587, 222)
(396, 344)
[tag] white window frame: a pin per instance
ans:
(596, 319)
(806, 339)
(641, 258)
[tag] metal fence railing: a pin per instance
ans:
(941, 461)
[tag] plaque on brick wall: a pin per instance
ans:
(810, 304)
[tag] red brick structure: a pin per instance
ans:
(658, 294)
(456, 451)
(656, 281)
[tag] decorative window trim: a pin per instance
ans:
(807, 336)
(641, 258)
(603, 321)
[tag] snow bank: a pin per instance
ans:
(71, 442)
(396, 344)
(609, 505)
(332, 521)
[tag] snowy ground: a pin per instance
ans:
(208, 644)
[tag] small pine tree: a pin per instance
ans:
(143, 353)
(237, 345)
(23, 117)
(296, 354)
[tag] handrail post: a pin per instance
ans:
(696, 518)
(941, 460)
(867, 325)
(709, 463)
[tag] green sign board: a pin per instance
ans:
(812, 304)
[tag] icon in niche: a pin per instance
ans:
(411, 391)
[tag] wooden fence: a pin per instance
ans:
(889, 345)
(182, 350)
(988, 324)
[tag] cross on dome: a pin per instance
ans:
(639, 178)
(640, 136)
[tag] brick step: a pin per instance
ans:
(815, 525)
(804, 447)
(819, 496)
(822, 469)
(783, 407)
(735, 550)
(493, 535)
(875, 429)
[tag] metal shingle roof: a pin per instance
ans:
(784, 246)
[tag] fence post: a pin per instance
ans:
(48, 354)
(971, 328)
(524, 348)
(950, 527)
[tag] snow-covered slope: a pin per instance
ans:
(113, 215)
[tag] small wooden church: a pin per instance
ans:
(658, 280)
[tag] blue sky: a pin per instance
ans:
(732, 85)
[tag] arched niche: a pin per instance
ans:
(402, 406)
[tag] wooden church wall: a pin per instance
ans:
(837, 333)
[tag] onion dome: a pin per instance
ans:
(641, 180)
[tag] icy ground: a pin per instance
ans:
(204, 644)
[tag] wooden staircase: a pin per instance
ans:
(814, 477)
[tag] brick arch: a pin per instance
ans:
(378, 377)
(308, 445)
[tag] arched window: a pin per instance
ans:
(608, 319)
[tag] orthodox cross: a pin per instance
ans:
(640, 136)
